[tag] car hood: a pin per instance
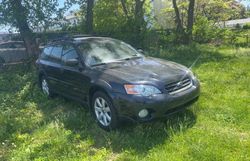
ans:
(144, 70)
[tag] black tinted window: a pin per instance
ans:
(46, 52)
(56, 53)
(5, 46)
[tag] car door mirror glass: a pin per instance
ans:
(72, 62)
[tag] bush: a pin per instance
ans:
(246, 26)
(204, 31)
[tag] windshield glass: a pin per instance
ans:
(102, 51)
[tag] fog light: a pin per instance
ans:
(143, 113)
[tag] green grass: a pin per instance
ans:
(217, 127)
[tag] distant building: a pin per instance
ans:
(234, 23)
(71, 19)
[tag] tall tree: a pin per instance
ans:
(179, 26)
(134, 11)
(26, 15)
(89, 16)
(190, 20)
(184, 34)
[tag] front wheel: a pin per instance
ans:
(104, 111)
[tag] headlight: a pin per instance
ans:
(144, 90)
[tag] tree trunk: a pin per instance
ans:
(21, 21)
(179, 27)
(190, 20)
(182, 35)
(180, 32)
(89, 16)
(139, 22)
(124, 8)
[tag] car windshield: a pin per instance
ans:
(102, 51)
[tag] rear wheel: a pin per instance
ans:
(104, 111)
(2, 63)
(45, 87)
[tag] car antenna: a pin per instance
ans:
(196, 60)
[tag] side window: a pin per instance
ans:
(56, 53)
(19, 45)
(69, 53)
(46, 52)
(3, 46)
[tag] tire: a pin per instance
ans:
(104, 111)
(2, 63)
(45, 87)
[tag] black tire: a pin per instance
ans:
(48, 93)
(2, 63)
(114, 123)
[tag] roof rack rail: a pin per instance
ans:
(80, 35)
(63, 38)
(68, 37)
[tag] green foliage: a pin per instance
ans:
(110, 20)
(238, 26)
(220, 10)
(204, 30)
(39, 13)
(246, 26)
(109, 17)
(34, 127)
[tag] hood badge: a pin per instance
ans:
(179, 83)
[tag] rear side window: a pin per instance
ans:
(46, 52)
(56, 53)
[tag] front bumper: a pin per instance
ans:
(160, 105)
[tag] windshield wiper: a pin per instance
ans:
(106, 63)
(98, 64)
(133, 57)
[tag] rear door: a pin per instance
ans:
(53, 68)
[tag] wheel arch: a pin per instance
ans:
(95, 88)
(40, 75)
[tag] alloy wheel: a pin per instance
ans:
(102, 111)
(45, 87)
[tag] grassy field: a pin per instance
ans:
(217, 127)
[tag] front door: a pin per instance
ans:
(73, 77)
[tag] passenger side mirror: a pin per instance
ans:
(72, 62)
(140, 51)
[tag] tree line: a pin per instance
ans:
(124, 17)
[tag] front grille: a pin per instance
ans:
(175, 87)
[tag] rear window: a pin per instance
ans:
(46, 52)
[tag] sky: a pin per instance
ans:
(245, 2)
(75, 7)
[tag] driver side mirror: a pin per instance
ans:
(72, 62)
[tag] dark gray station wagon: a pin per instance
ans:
(115, 80)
